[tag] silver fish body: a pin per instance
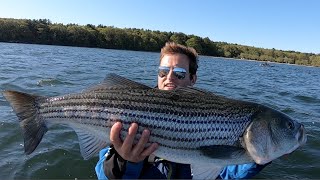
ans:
(190, 125)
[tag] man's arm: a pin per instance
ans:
(112, 166)
(242, 171)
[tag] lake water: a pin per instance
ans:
(56, 70)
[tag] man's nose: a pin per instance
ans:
(171, 74)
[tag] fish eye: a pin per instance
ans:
(290, 125)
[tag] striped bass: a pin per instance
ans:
(191, 126)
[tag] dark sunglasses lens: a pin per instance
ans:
(180, 75)
(163, 72)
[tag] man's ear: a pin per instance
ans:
(193, 79)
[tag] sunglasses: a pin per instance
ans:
(180, 73)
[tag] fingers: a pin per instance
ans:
(139, 152)
(139, 147)
(128, 142)
(149, 150)
(126, 149)
(115, 135)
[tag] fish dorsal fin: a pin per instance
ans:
(114, 82)
(205, 171)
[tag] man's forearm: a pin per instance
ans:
(115, 167)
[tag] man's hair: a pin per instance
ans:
(173, 48)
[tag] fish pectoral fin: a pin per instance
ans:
(114, 82)
(90, 145)
(223, 152)
(205, 171)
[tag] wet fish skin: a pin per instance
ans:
(190, 125)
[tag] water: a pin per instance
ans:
(56, 70)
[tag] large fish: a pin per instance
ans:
(191, 126)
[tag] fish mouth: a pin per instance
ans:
(301, 137)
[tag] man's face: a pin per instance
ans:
(170, 81)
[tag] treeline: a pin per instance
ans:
(43, 31)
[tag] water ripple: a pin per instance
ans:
(52, 82)
(307, 99)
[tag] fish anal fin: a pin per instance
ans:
(90, 143)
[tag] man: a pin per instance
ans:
(178, 67)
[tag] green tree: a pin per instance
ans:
(315, 60)
(179, 38)
(195, 42)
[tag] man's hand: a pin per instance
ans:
(126, 149)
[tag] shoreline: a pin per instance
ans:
(263, 61)
(16, 42)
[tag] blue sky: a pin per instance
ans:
(280, 24)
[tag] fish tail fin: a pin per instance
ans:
(32, 126)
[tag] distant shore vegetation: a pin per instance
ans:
(43, 31)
